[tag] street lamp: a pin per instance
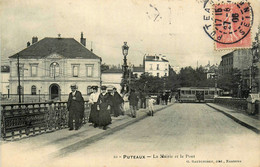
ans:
(39, 95)
(125, 53)
(8, 91)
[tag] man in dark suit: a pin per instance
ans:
(75, 107)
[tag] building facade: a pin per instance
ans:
(48, 67)
(239, 59)
(156, 65)
(112, 78)
(5, 73)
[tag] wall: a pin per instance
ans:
(43, 80)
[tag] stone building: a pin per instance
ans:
(156, 65)
(5, 73)
(112, 78)
(48, 67)
(238, 59)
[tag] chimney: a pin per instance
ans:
(28, 44)
(34, 40)
(82, 40)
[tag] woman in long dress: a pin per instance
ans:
(103, 104)
(93, 116)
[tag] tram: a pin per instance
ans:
(197, 94)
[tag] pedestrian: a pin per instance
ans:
(93, 98)
(116, 102)
(103, 106)
(166, 97)
(75, 107)
(151, 101)
(143, 99)
(133, 101)
(158, 99)
(170, 97)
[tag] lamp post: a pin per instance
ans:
(125, 53)
(18, 74)
(215, 83)
(8, 91)
(39, 95)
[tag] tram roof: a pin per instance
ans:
(198, 88)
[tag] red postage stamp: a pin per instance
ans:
(232, 24)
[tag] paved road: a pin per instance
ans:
(194, 131)
(181, 133)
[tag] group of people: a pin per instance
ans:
(101, 105)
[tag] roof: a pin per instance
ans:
(113, 70)
(138, 69)
(155, 58)
(67, 47)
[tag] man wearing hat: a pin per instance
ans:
(93, 98)
(103, 104)
(75, 107)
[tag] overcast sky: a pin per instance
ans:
(176, 33)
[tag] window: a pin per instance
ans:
(158, 74)
(75, 70)
(33, 90)
(193, 92)
(165, 74)
(157, 66)
(211, 92)
(151, 66)
(34, 70)
(54, 69)
(89, 70)
(206, 92)
(188, 92)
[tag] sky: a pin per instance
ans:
(173, 28)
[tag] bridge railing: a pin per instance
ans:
(234, 103)
(26, 119)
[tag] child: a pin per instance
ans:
(150, 105)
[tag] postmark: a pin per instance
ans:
(228, 24)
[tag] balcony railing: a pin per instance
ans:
(26, 119)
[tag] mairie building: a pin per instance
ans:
(49, 66)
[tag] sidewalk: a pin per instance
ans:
(63, 142)
(244, 120)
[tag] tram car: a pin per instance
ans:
(197, 94)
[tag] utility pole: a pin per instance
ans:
(19, 83)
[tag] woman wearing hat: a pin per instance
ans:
(75, 107)
(93, 98)
(103, 106)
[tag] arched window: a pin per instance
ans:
(33, 90)
(54, 69)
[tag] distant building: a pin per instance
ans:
(156, 65)
(211, 70)
(48, 67)
(138, 71)
(5, 74)
(239, 59)
(112, 78)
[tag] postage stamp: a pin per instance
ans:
(229, 25)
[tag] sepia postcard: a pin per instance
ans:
(130, 83)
